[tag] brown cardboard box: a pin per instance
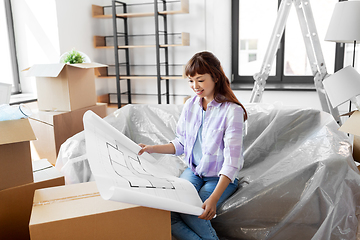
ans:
(65, 87)
(16, 203)
(54, 128)
(352, 126)
(15, 156)
(77, 211)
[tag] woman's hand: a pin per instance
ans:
(145, 148)
(164, 148)
(209, 207)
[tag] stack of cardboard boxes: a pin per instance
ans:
(34, 202)
(65, 93)
(20, 177)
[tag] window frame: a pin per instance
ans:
(11, 33)
(279, 81)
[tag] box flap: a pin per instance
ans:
(352, 124)
(87, 65)
(45, 70)
(41, 164)
(43, 170)
(347, 114)
(16, 131)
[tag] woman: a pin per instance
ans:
(210, 134)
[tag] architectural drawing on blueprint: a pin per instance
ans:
(131, 169)
(122, 175)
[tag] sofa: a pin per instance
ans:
(299, 179)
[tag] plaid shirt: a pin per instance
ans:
(222, 137)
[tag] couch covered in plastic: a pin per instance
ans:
(299, 179)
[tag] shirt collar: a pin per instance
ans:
(213, 103)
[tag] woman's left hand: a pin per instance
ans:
(209, 207)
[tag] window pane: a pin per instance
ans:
(253, 44)
(5, 60)
(349, 55)
(296, 59)
(255, 33)
(252, 57)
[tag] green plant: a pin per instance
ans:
(73, 57)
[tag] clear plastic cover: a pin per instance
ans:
(299, 179)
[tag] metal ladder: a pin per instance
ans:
(313, 50)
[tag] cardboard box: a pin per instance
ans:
(352, 126)
(54, 128)
(15, 156)
(16, 203)
(77, 211)
(65, 87)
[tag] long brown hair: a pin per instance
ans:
(206, 62)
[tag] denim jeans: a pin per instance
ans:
(188, 227)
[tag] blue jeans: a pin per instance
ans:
(187, 227)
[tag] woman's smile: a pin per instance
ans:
(199, 92)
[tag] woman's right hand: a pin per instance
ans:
(145, 148)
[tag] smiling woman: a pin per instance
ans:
(209, 133)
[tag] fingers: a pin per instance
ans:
(142, 150)
(145, 148)
(208, 213)
(203, 215)
(210, 216)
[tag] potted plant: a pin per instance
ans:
(73, 57)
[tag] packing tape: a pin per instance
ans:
(65, 199)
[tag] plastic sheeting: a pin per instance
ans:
(148, 124)
(299, 179)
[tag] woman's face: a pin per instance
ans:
(203, 85)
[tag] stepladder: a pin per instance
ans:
(313, 51)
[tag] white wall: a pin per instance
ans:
(42, 36)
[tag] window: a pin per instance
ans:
(252, 25)
(248, 49)
(8, 62)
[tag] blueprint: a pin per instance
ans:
(122, 175)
